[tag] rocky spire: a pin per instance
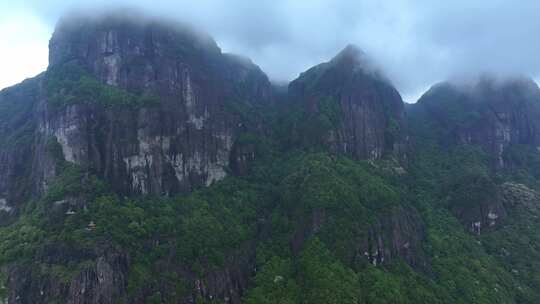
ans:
(369, 109)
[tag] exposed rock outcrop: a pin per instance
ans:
(202, 101)
(479, 204)
(17, 127)
(156, 109)
(365, 112)
(103, 280)
(398, 235)
(180, 141)
(492, 113)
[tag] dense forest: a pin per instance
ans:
(330, 191)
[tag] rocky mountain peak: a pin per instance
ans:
(517, 89)
(119, 47)
(351, 54)
(484, 85)
(493, 112)
(146, 166)
(365, 110)
(353, 59)
(149, 106)
(92, 37)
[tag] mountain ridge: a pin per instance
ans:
(146, 166)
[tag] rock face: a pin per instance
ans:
(492, 113)
(157, 109)
(17, 125)
(182, 141)
(91, 104)
(498, 115)
(366, 112)
(479, 203)
(102, 281)
(396, 235)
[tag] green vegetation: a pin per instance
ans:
(205, 230)
(477, 269)
(296, 127)
(515, 246)
(526, 164)
(303, 226)
(72, 84)
(16, 114)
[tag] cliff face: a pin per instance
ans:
(394, 236)
(174, 111)
(153, 109)
(17, 126)
(365, 112)
(132, 111)
(174, 108)
(500, 116)
(104, 281)
(145, 55)
(148, 107)
(494, 114)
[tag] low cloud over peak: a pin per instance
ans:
(416, 43)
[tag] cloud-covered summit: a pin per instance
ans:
(417, 43)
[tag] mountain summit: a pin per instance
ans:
(365, 112)
(146, 106)
(493, 113)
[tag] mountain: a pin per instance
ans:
(150, 108)
(500, 116)
(493, 113)
(147, 166)
(357, 108)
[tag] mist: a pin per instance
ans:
(416, 44)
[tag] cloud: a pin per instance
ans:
(417, 43)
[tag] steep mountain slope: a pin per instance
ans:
(351, 107)
(493, 113)
(476, 151)
(500, 116)
(17, 124)
(131, 108)
(146, 166)
(150, 108)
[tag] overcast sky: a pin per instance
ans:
(417, 43)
